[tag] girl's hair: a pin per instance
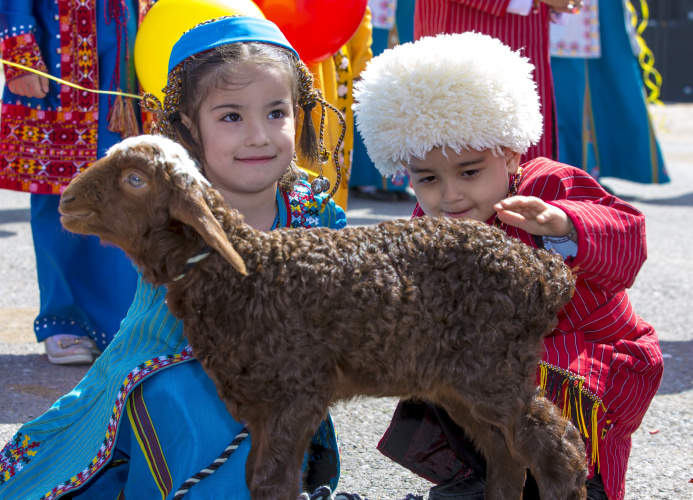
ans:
(201, 74)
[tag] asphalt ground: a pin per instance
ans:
(661, 464)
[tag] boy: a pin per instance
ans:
(457, 111)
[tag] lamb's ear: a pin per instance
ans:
(196, 214)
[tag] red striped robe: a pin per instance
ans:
(529, 33)
(599, 336)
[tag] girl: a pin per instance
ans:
(146, 417)
(471, 110)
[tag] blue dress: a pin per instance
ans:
(363, 171)
(603, 122)
(146, 417)
(85, 287)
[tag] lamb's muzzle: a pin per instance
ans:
(451, 311)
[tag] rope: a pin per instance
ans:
(185, 487)
(69, 84)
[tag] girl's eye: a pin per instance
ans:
(277, 113)
(231, 117)
(135, 180)
(470, 173)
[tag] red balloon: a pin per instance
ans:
(315, 28)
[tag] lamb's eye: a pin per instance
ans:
(135, 180)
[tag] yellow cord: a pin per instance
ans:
(69, 84)
(651, 77)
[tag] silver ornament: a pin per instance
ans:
(316, 185)
(325, 184)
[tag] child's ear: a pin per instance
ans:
(512, 161)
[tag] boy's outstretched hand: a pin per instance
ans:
(535, 216)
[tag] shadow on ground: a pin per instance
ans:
(31, 385)
(678, 369)
(685, 200)
(14, 215)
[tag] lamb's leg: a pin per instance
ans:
(554, 451)
(279, 442)
(505, 476)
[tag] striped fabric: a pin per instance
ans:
(617, 351)
(530, 34)
(600, 341)
(148, 441)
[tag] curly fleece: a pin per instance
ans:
(463, 91)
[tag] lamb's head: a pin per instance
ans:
(140, 196)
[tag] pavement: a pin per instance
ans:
(661, 464)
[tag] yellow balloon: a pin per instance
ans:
(165, 23)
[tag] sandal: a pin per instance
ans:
(66, 349)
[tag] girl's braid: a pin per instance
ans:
(308, 98)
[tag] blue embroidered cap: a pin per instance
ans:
(224, 31)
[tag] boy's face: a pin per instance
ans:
(464, 185)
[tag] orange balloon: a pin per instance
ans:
(165, 23)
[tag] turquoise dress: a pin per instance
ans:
(146, 417)
(604, 126)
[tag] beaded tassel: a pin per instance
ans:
(559, 384)
(121, 116)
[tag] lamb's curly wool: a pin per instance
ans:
(452, 311)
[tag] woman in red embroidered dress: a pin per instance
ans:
(471, 110)
(50, 133)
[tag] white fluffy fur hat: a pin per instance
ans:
(463, 91)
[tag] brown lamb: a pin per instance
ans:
(290, 321)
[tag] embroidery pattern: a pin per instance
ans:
(15, 455)
(133, 378)
(305, 210)
(41, 150)
(23, 50)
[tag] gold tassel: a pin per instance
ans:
(543, 373)
(565, 391)
(580, 415)
(595, 437)
(566, 400)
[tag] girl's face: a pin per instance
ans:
(464, 185)
(247, 131)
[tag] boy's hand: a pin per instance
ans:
(534, 216)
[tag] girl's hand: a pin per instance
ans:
(534, 216)
(30, 85)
